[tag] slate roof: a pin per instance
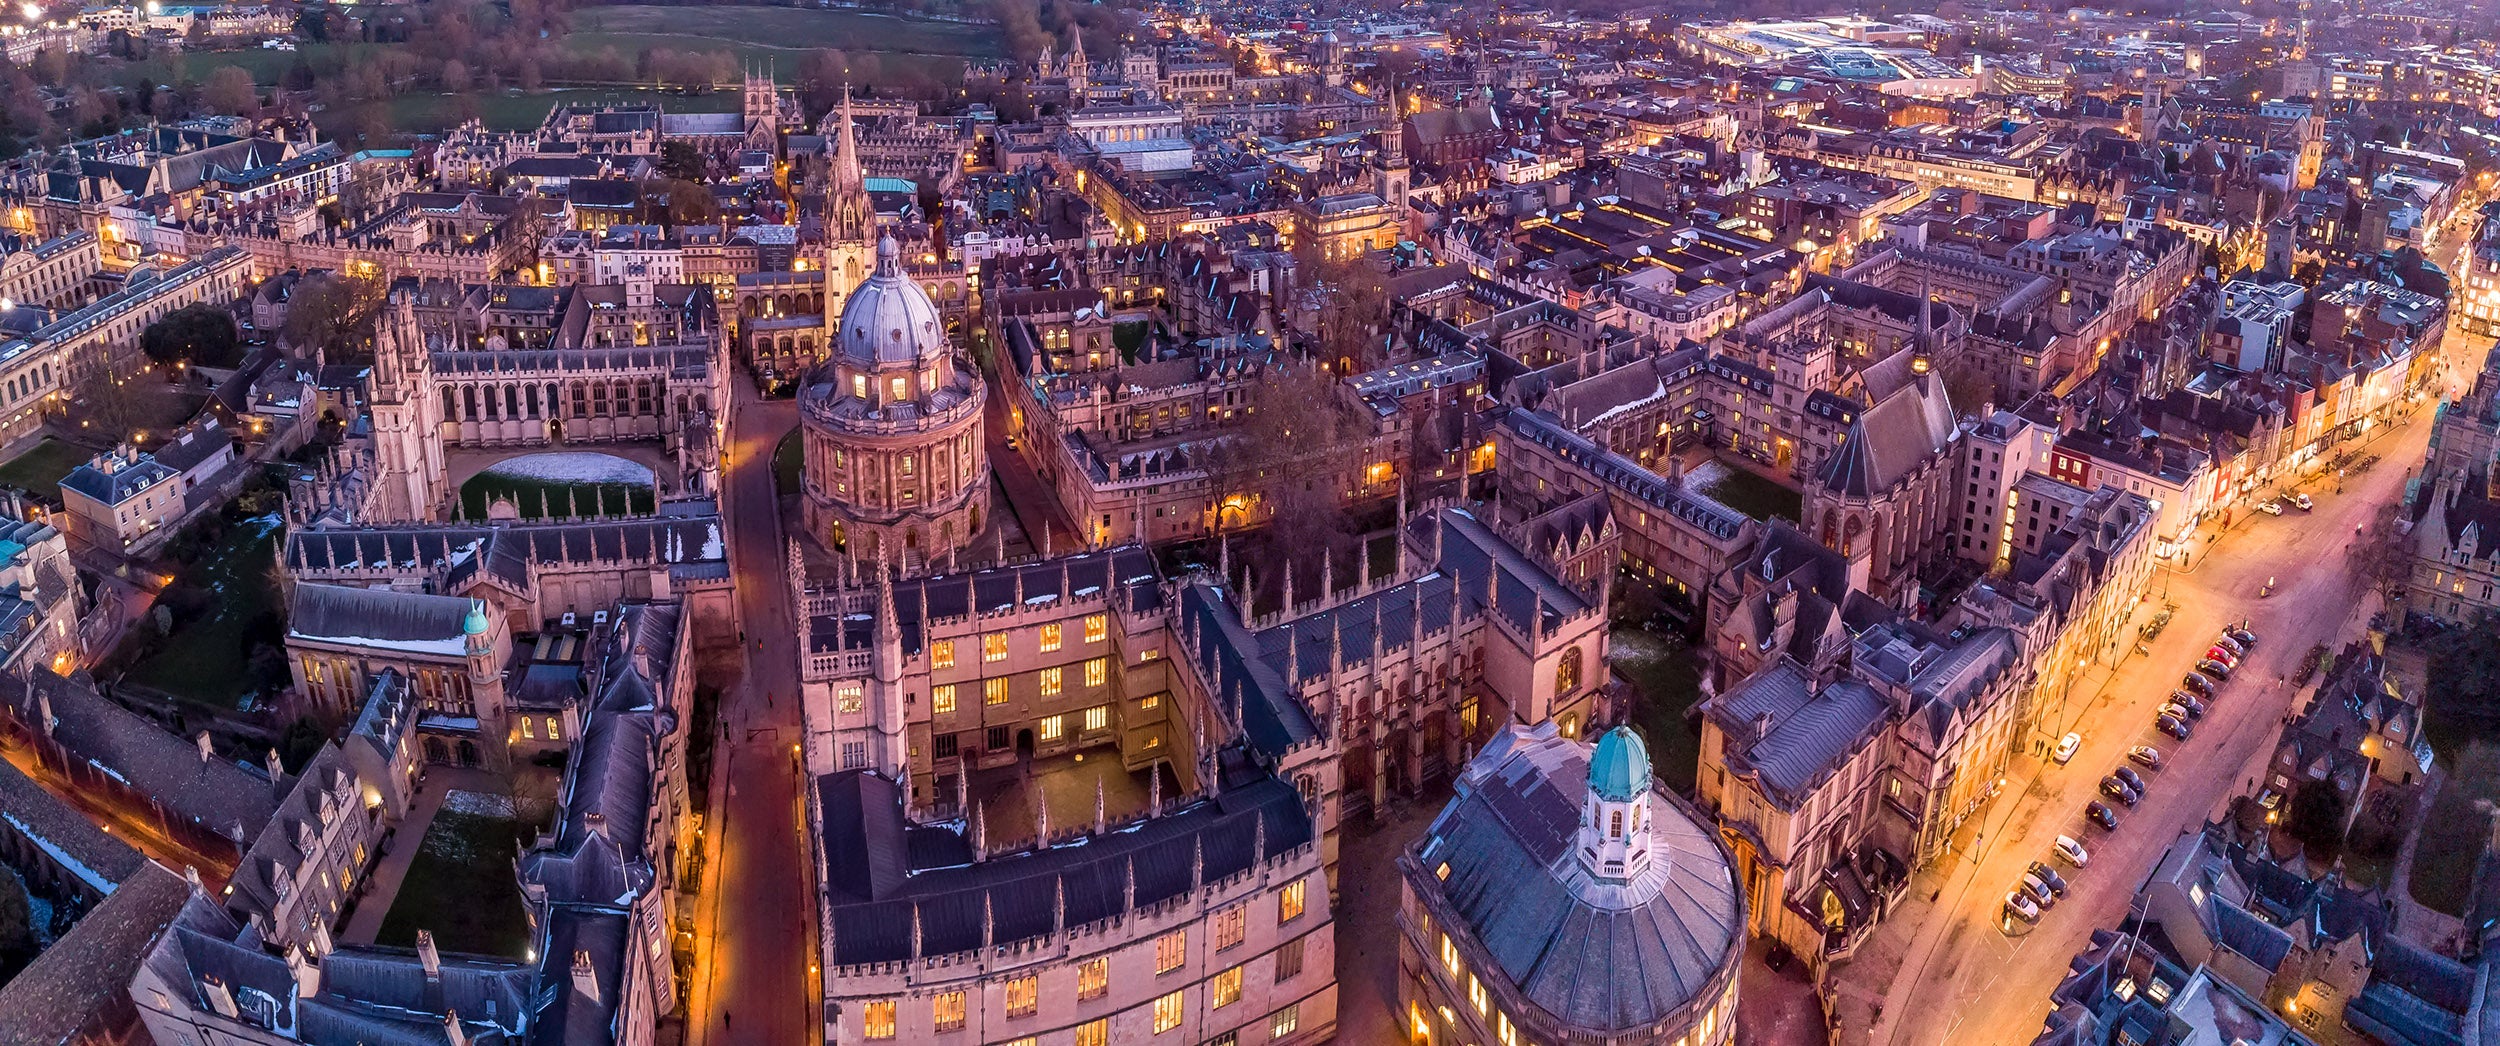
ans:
(382, 616)
(1594, 957)
(51, 1001)
(1891, 439)
(32, 812)
(884, 876)
(214, 793)
(129, 477)
(1787, 735)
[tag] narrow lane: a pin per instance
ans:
(751, 982)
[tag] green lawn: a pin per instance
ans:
(1755, 496)
(461, 889)
(207, 658)
(786, 28)
(784, 58)
(41, 467)
(2458, 827)
(788, 458)
(266, 66)
(556, 499)
(1666, 677)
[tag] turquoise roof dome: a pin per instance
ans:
(1619, 769)
(476, 625)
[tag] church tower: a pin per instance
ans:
(482, 644)
(1080, 74)
(1393, 175)
(763, 111)
(850, 219)
(407, 416)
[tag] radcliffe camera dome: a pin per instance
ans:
(889, 319)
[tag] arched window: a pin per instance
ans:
(1567, 673)
(1831, 528)
(1614, 824)
(1849, 535)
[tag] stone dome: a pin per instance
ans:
(889, 320)
(1619, 769)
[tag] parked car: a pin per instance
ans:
(2019, 905)
(2246, 637)
(2039, 890)
(2188, 703)
(2046, 874)
(2071, 852)
(2220, 656)
(2236, 648)
(2066, 747)
(2200, 684)
(2101, 816)
(2171, 710)
(2270, 507)
(2214, 668)
(2117, 789)
(2177, 728)
(2303, 501)
(2146, 755)
(2127, 773)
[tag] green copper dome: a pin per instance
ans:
(476, 626)
(1619, 769)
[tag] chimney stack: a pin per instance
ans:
(585, 976)
(307, 974)
(206, 752)
(429, 958)
(452, 1032)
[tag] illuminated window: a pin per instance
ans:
(1230, 925)
(1053, 727)
(1167, 1013)
(859, 386)
(994, 647)
(942, 654)
(994, 691)
(877, 1021)
(1093, 978)
(942, 697)
(1284, 1022)
(1171, 950)
(948, 1010)
(552, 733)
(1504, 1030)
(528, 728)
(1097, 626)
(848, 698)
(1150, 702)
(1098, 717)
(1097, 670)
(1481, 999)
(1289, 902)
(1024, 995)
(1226, 987)
(1449, 955)
(1050, 637)
(1096, 1032)
(1148, 654)
(894, 389)
(1051, 682)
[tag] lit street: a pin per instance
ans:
(750, 979)
(1941, 967)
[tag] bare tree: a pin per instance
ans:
(1287, 464)
(333, 310)
(1349, 308)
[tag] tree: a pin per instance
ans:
(1285, 462)
(682, 161)
(199, 333)
(1351, 322)
(332, 310)
(2316, 817)
(17, 924)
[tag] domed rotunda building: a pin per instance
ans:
(891, 428)
(1565, 897)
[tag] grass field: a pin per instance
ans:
(529, 494)
(460, 888)
(788, 459)
(783, 58)
(787, 29)
(265, 66)
(1751, 494)
(40, 468)
(1667, 675)
(205, 659)
(2458, 827)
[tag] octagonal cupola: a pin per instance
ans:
(1614, 841)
